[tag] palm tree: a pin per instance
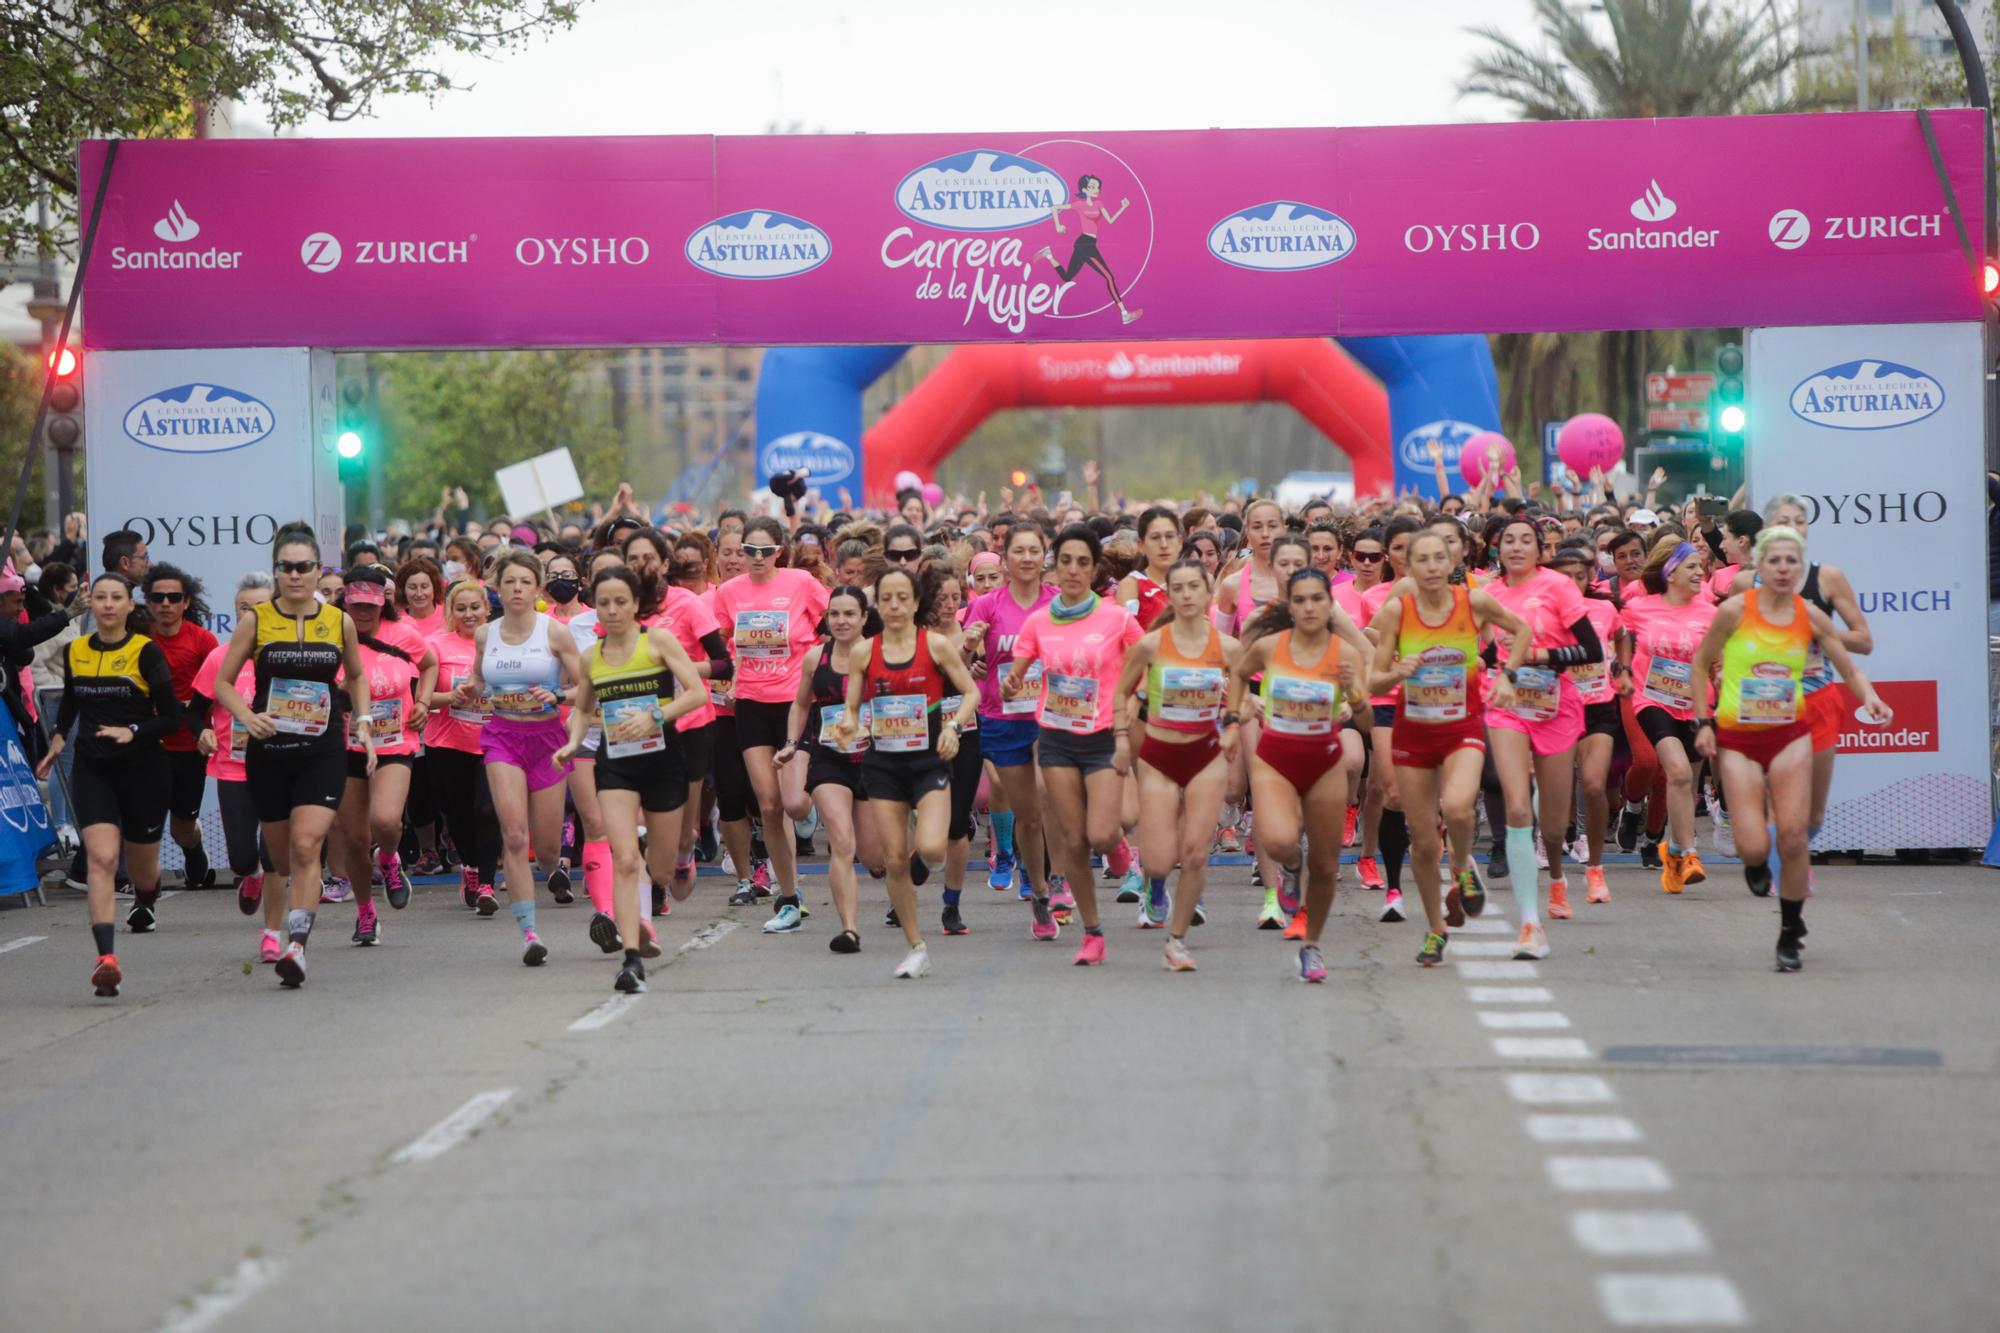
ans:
(1664, 58)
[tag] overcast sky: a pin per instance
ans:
(899, 66)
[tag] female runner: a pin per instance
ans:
(521, 661)
(904, 674)
(635, 682)
(1427, 653)
(1182, 765)
(988, 572)
(1290, 553)
(296, 761)
(1603, 722)
(1758, 731)
(118, 686)
(1143, 592)
(833, 769)
(420, 604)
(940, 597)
(451, 744)
(1084, 749)
(1384, 826)
(1666, 628)
(225, 747)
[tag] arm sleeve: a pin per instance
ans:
(196, 715)
(166, 717)
(720, 665)
(66, 711)
(1587, 648)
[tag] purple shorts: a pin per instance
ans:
(526, 746)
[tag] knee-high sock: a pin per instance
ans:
(597, 875)
(1003, 832)
(1521, 865)
(1393, 838)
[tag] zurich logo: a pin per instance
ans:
(1653, 205)
(199, 419)
(1414, 449)
(177, 226)
(758, 243)
(827, 460)
(1866, 395)
(982, 190)
(1281, 237)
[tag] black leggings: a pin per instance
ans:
(241, 833)
(731, 777)
(458, 786)
(965, 771)
(1085, 255)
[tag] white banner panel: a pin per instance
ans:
(1879, 429)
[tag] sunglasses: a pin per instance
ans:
(168, 598)
(688, 571)
(903, 555)
(759, 552)
(298, 566)
(1368, 557)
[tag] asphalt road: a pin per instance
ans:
(1650, 1129)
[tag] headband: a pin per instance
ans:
(981, 559)
(1681, 552)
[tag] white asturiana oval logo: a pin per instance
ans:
(828, 461)
(983, 190)
(1866, 395)
(1414, 448)
(1283, 236)
(199, 419)
(758, 243)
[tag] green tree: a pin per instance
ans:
(76, 69)
(454, 418)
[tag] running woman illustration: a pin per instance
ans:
(1089, 214)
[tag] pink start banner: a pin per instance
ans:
(954, 238)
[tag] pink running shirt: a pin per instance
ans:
(1663, 642)
(770, 627)
(1004, 618)
(1080, 661)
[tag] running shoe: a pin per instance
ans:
(1350, 830)
(1370, 870)
(250, 893)
(486, 904)
(1295, 929)
(1153, 912)
(394, 882)
(1559, 899)
(270, 946)
(1177, 957)
(1725, 834)
(649, 941)
(468, 886)
(684, 870)
(1692, 870)
(845, 942)
(802, 833)
(533, 953)
(916, 963)
(336, 889)
(760, 876)
(1671, 876)
(559, 888)
(1257, 874)
(1045, 926)
(1579, 848)
(604, 933)
(1454, 906)
(1200, 913)
(142, 918)
(1061, 901)
(1132, 885)
(1496, 862)
(427, 863)
(1000, 873)
(1595, 889)
(706, 845)
(1649, 855)
(1631, 823)
(631, 979)
(104, 978)
(1392, 906)
(1472, 890)
(656, 899)
(1288, 890)
(366, 929)
(785, 920)
(745, 895)
(891, 920)
(1533, 944)
(291, 966)
(1227, 841)
(1759, 879)
(1541, 853)
(1312, 965)
(1788, 953)
(1025, 885)
(952, 922)
(1092, 951)
(1273, 916)
(1433, 951)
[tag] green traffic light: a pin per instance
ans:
(1732, 419)
(1729, 359)
(348, 445)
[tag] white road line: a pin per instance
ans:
(1561, 1089)
(604, 1013)
(1485, 925)
(1509, 994)
(1634, 1234)
(706, 936)
(1541, 1048)
(221, 1298)
(21, 943)
(1478, 969)
(1517, 1019)
(1608, 1175)
(454, 1129)
(1671, 1300)
(1581, 1129)
(1482, 948)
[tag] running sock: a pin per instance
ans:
(1003, 832)
(1094, 930)
(1393, 838)
(195, 861)
(631, 958)
(1159, 887)
(524, 916)
(597, 875)
(1792, 914)
(299, 925)
(1521, 861)
(1675, 849)
(951, 897)
(105, 933)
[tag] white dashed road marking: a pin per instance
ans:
(1608, 1175)
(223, 1297)
(1478, 969)
(1671, 1300)
(1541, 1048)
(1509, 994)
(604, 1013)
(1570, 1089)
(1519, 1019)
(1651, 1235)
(454, 1129)
(21, 943)
(1582, 1129)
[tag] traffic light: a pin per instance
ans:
(1989, 280)
(350, 446)
(1731, 417)
(64, 428)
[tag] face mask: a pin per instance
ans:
(453, 571)
(1605, 564)
(563, 591)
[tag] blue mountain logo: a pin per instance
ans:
(983, 190)
(1283, 236)
(199, 419)
(758, 243)
(1867, 395)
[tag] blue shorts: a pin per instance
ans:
(1008, 742)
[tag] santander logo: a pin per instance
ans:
(177, 226)
(1653, 205)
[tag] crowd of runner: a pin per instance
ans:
(537, 707)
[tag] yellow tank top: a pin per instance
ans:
(1763, 668)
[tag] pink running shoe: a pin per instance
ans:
(250, 893)
(1092, 952)
(270, 945)
(760, 876)
(1370, 871)
(468, 885)
(1045, 926)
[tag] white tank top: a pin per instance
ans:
(512, 669)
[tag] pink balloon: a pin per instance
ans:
(907, 480)
(1590, 440)
(933, 494)
(1472, 455)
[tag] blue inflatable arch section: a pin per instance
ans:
(809, 404)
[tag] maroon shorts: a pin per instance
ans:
(1762, 744)
(1300, 760)
(1180, 762)
(1429, 744)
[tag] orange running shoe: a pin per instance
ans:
(1533, 944)
(1670, 869)
(1692, 871)
(1295, 929)
(1595, 889)
(1559, 899)
(107, 976)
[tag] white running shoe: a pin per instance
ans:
(1725, 834)
(916, 963)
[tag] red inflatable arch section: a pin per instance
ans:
(1312, 374)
